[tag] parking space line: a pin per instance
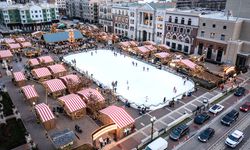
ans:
(142, 124)
(181, 102)
(168, 109)
(171, 117)
(144, 133)
(163, 123)
(193, 105)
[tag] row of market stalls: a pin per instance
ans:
(16, 43)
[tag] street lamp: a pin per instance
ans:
(152, 120)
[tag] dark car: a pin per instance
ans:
(230, 117)
(245, 107)
(201, 118)
(179, 132)
(206, 134)
(240, 91)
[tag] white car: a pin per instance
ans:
(216, 108)
(234, 139)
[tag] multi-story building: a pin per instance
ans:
(106, 17)
(208, 4)
(29, 16)
(61, 4)
(181, 30)
(238, 8)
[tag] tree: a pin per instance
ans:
(94, 106)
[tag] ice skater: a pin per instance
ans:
(147, 69)
(91, 53)
(164, 100)
(127, 81)
(143, 68)
(174, 90)
(184, 82)
(127, 87)
(133, 63)
(136, 64)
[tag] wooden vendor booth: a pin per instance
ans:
(45, 60)
(72, 82)
(33, 63)
(41, 74)
(163, 57)
(30, 93)
(6, 55)
(45, 115)
(164, 48)
(14, 47)
(57, 70)
(55, 87)
(143, 51)
(19, 78)
(117, 124)
(92, 94)
(73, 105)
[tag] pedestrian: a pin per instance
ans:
(174, 90)
(127, 87)
(184, 82)
(143, 68)
(147, 69)
(127, 81)
(164, 100)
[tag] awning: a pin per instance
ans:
(45, 59)
(143, 49)
(149, 43)
(73, 102)
(71, 78)
(125, 44)
(164, 46)
(41, 72)
(86, 93)
(151, 47)
(5, 54)
(118, 115)
(33, 62)
(133, 43)
(19, 76)
(20, 39)
(9, 40)
(54, 85)
(188, 63)
(57, 68)
(162, 55)
(29, 91)
(26, 44)
(44, 112)
(14, 46)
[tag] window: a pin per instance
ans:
(179, 47)
(159, 26)
(168, 43)
(169, 28)
(214, 26)
(23, 16)
(189, 21)
(204, 24)
(170, 19)
(222, 37)
(132, 21)
(176, 20)
(212, 35)
(132, 14)
(188, 31)
(175, 29)
(187, 40)
(35, 11)
(182, 20)
(159, 34)
(132, 28)
(224, 27)
(186, 49)
(202, 33)
(174, 37)
(173, 45)
(159, 18)
(181, 30)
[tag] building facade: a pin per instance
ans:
(29, 16)
(238, 8)
(105, 17)
(208, 4)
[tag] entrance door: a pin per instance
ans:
(209, 52)
(241, 61)
(200, 48)
(144, 35)
(219, 55)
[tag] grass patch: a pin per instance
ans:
(223, 97)
(12, 135)
(85, 147)
(7, 104)
(166, 133)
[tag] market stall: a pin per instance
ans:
(20, 39)
(45, 60)
(163, 57)
(149, 43)
(6, 55)
(41, 74)
(32, 52)
(133, 43)
(164, 48)
(30, 94)
(55, 87)
(124, 45)
(19, 78)
(57, 70)
(73, 105)
(151, 48)
(117, 115)
(33, 63)
(45, 115)
(72, 82)
(26, 44)
(14, 47)
(89, 94)
(143, 51)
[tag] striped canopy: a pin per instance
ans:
(57, 68)
(118, 115)
(71, 77)
(54, 85)
(14, 46)
(44, 112)
(19, 76)
(5, 54)
(86, 93)
(33, 62)
(45, 59)
(29, 91)
(73, 102)
(41, 72)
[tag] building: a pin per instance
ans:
(61, 4)
(106, 17)
(208, 4)
(28, 17)
(181, 30)
(238, 8)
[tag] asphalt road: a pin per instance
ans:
(221, 132)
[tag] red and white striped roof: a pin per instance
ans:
(74, 78)
(55, 85)
(20, 39)
(89, 91)
(73, 102)
(29, 91)
(19, 76)
(14, 46)
(33, 62)
(41, 72)
(162, 55)
(118, 115)
(26, 44)
(9, 40)
(57, 68)
(5, 54)
(45, 59)
(143, 49)
(44, 112)
(150, 47)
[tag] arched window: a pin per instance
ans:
(170, 19)
(126, 27)
(174, 37)
(180, 38)
(176, 20)
(182, 20)
(187, 40)
(189, 21)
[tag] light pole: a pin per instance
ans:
(152, 120)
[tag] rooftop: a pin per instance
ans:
(60, 36)
(219, 16)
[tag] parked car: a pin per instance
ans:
(240, 91)
(230, 117)
(158, 144)
(206, 134)
(216, 108)
(201, 118)
(179, 131)
(234, 139)
(245, 107)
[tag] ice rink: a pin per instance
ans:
(141, 84)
